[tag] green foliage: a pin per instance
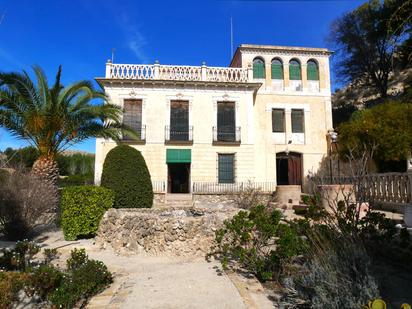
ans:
(86, 278)
(125, 172)
(23, 157)
(44, 280)
(78, 257)
(20, 258)
(76, 180)
(82, 208)
(365, 45)
(76, 164)
(62, 289)
(385, 127)
(258, 241)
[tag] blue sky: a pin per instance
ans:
(80, 34)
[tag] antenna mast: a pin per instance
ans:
(231, 37)
(113, 50)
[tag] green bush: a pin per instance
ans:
(76, 180)
(258, 241)
(44, 280)
(82, 208)
(126, 173)
(86, 278)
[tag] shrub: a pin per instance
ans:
(11, 283)
(126, 173)
(258, 241)
(25, 203)
(82, 209)
(76, 180)
(43, 280)
(86, 278)
(20, 258)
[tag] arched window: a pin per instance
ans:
(294, 70)
(312, 70)
(258, 68)
(277, 69)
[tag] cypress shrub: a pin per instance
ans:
(82, 208)
(126, 173)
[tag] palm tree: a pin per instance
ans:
(55, 118)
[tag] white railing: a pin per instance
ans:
(216, 74)
(227, 188)
(178, 73)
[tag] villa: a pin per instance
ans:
(263, 120)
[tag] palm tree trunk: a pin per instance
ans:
(46, 169)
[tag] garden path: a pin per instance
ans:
(164, 282)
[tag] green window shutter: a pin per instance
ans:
(178, 156)
(258, 70)
(226, 163)
(278, 120)
(277, 71)
(294, 71)
(297, 116)
(312, 71)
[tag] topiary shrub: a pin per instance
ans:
(82, 208)
(125, 172)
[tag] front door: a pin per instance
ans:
(289, 168)
(178, 177)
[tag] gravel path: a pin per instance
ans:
(163, 282)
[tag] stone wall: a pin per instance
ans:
(182, 232)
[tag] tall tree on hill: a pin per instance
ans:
(365, 45)
(53, 118)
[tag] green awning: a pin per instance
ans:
(178, 156)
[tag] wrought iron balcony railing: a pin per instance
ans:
(226, 134)
(141, 135)
(178, 135)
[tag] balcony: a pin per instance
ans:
(178, 136)
(141, 136)
(178, 73)
(226, 136)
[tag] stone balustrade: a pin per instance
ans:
(178, 73)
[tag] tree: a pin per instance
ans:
(126, 173)
(55, 118)
(365, 46)
(386, 126)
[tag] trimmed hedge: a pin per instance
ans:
(82, 208)
(126, 173)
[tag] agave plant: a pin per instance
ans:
(57, 117)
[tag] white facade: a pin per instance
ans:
(256, 147)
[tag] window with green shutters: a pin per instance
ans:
(312, 70)
(277, 69)
(258, 68)
(294, 70)
(226, 168)
(298, 121)
(278, 120)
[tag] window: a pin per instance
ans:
(294, 70)
(278, 120)
(298, 124)
(277, 69)
(312, 70)
(179, 121)
(226, 166)
(258, 68)
(226, 121)
(132, 116)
